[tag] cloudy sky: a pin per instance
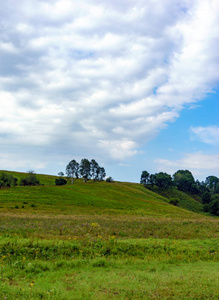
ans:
(130, 83)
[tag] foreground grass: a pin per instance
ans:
(109, 269)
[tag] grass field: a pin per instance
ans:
(104, 241)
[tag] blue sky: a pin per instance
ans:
(132, 84)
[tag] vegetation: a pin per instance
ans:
(86, 169)
(205, 192)
(105, 241)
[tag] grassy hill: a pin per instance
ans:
(94, 198)
(104, 240)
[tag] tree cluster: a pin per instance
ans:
(8, 180)
(86, 170)
(30, 179)
(184, 181)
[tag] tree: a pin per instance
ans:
(144, 177)
(102, 174)
(212, 183)
(94, 168)
(30, 179)
(184, 180)
(72, 170)
(214, 205)
(163, 180)
(85, 169)
(7, 180)
(152, 179)
(61, 174)
(206, 198)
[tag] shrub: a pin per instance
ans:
(109, 179)
(214, 206)
(30, 179)
(60, 181)
(174, 201)
(206, 198)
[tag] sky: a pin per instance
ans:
(133, 84)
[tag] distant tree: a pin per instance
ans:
(163, 180)
(72, 170)
(7, 180)
(152, 179)
(212, 182)
(61, 174)
(85, 169)
(206, 198)
(144, 177)
(94, 169)
(184, 180)
(60, 181)
(30, 179)
(101, 174)
(214, 205)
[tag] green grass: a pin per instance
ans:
(105, 241)
(190, 202)
(109, 269)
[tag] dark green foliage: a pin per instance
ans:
(214, 205)
(72, 169)
(212, 182)
(94, 168)
(7, 180)
(60, 181)
(184, 180)
(102, 174)
(30, 179)
(174, 201)
(85, 169)
(152, 179)
(206, 198)
(144, 177)
(163, 180)
(109, 179)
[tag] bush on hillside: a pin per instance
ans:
(214, 205)
(174, 201)
(109, 179)
(60, 181)
(7, 180)
(30, 179)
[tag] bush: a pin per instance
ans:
(206, 198)
(174, 201)
(7, 180)
(214, 206)
(60, 181)
(30, 179)
(109, 179)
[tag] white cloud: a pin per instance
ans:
(208, 135)
(198, 163)
(102, 77)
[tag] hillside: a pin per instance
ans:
(90, 198)
(69, 242)
(117, 197)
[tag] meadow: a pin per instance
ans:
(104, 241)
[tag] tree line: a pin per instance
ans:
(184, 181)
(86, 170)
(8, 180)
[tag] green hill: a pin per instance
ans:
(69, 242)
